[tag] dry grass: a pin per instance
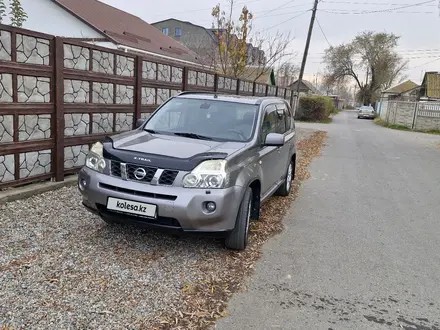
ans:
(203, 302)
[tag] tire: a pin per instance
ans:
(237, 239)
(284, 189)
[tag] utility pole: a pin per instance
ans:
(306, 51)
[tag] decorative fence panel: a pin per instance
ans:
(58, 96)
(27, 112)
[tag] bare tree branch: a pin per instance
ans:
(241, 53)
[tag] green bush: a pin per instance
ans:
(315, 108)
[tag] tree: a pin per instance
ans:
(241, 53)
(232, 38)
(17, 15)
(2, 10)
(369, 53)
(286, 74)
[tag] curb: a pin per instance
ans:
(35, 189)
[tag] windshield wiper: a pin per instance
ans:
(152, 131)
(193, 136)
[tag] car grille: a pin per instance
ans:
(150, 171)
(166, 179)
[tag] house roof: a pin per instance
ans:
(308, 85)
(431, 83)
(126, 29)
(401, 88)
(257, 74)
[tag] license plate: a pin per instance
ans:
(131, 207)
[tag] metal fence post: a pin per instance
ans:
(215, 82)
(138, 90)
(185, 79)
(58, 85)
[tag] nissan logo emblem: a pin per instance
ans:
(140, 173)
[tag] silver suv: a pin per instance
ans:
(201, 163)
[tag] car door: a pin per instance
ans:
(284, 123)
(268, 155)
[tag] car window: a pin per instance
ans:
(287, 116)
(367, 108)
(270, 121)
(274, 121)
(215, 119)
(281, 121)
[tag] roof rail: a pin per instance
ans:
(196, 92)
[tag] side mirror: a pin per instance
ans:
(274, 140)
(140, 122)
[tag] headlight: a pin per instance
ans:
(95, 159)
(209, 174)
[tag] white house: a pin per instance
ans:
(104, 25)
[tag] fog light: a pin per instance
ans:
(210, 206)
(82, 184)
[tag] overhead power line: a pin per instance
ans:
(419, 66)
(373, 3)
(282, 7)
(276, 8)
(280, 14)
(322, 31)
(287, 20)
(356, 12)
(388, 9)
(206, 8)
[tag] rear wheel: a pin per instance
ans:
(284, 189)
(238, 238)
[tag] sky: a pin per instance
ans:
(417, 22)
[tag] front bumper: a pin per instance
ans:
(177, 207)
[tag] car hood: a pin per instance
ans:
(171, 145)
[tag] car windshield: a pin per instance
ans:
(205, 119)
(367, 108)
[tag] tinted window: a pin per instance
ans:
(219, 120)
(269, 121)
(287, 116)
(274, 121)
(281, 121)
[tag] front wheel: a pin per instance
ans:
(238, 238)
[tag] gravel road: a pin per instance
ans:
(63, 268)
(360, 248)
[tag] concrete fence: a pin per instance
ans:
(421, 116)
